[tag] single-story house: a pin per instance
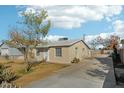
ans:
(63, 51)
(6, 50)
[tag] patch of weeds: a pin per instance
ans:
(66, 66)
(11, 61)
(23, 72)
(75, 60)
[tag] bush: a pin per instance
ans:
(43, 61)
(6, 74)
(8, 85)
(75, 60)
(1, 69)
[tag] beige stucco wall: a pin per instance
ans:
(41, 54)
(68, 53)
(4, 52)
(81, 52)
(17, 57)
(55, 59)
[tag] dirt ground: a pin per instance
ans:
(38, 71)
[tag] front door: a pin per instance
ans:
(45, 53)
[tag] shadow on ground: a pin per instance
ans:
(110, 78)
(96, 73)
(105, 61)
(107, 64)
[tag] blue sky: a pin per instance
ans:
(91, 25)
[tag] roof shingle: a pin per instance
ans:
(61, 43)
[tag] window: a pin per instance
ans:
(58, 52)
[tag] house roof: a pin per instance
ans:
(62, 43)
(12, 51)
(4, 46)
(1, 43)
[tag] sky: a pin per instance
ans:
(70, 21)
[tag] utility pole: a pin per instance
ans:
(84, 37)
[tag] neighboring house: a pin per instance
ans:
(63, 51)
(6, 50)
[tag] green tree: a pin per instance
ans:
(35, 27)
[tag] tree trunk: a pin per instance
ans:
(26, 58)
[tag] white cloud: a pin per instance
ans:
(66, 22)
(73, 16)
(30, 10)
(89, 38)
(53, 37)
(118, 27)
(69, 17)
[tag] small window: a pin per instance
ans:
(58, 52)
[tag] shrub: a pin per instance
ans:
(8, 85)
(6, 74)
(75, 60)
(1, 70)
(43, 61)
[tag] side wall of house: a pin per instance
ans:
(79, 50)
(18, 57)
(4, 52)
(62, 59)
(39, 54)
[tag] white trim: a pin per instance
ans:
(48, 55)
(45, 55)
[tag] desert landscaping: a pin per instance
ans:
(38, 70)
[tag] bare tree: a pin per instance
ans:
(114, 40)
(35, 28)
(93, 44)
(107, 43)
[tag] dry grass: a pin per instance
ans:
(37, 72)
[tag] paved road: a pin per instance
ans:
(109, 81)
(89, 73)
(110, 78)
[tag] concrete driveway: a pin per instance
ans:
(89, 73)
